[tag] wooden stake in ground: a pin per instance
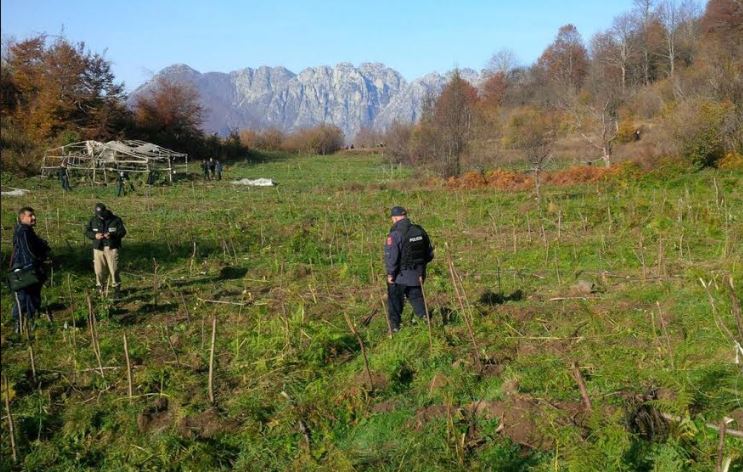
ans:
(363, 349)
(211, 359)
(582, 386)
(428, 315)
(735, 307)
(721, 444)
(94, 334)
(128, 367)
(33, 362)
(11, 429)
(456, 283)
(387, 317)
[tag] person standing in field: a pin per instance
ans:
(218, 169)
(106, 230)
(407, 251)
(205, 169)
(64, 179)
(29, 253)
(121, 180)
(211, 168)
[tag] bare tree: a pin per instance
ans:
(677, 20)
(644, 12)
(533, 132)
(596, 112)
(622, 34)
(503, 61)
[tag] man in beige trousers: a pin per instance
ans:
(106, 231)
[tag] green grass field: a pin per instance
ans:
(278, 268)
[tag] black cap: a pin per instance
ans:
(100, 208)
(398, 211)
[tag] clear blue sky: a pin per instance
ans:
(414, 36)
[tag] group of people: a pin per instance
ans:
(212, 169)
(407, 252)
(31, 255)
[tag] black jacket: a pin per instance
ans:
(110, 224)
(393, 254)
(28, 248)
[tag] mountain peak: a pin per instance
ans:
(370, 95)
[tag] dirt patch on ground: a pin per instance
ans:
(360, 384)
(384, 407)
(155, 418)
(521, 418)
(205, 425)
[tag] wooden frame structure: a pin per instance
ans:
(96, 159)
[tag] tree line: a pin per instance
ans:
(55, 92)
(668, 66)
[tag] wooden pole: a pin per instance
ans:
(211, 359)
(721, 444)
(582, 386)
(33, 362)
(11, 429)
(94, 334)
(428, 315)
(387, 318)
(363, 349)
(128, 367)
(455, 283)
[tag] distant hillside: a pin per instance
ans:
(371, 95)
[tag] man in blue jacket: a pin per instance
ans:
(407, 251)
(29, 250)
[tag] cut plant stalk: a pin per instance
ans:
(363, 349)
(428, 315)
(211, 359)
(11, 429)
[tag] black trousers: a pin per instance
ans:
(29, 299)
(396, 299)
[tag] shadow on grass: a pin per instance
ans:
(136, 256)
(491, 298)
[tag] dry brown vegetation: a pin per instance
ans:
(666, 80)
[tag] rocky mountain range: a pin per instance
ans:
(370, 95)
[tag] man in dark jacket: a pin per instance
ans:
(407, 250)
(122, 179)
(106, 230)
(29, 250)
(64, 179)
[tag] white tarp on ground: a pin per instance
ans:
(255, 183)
(16, 192)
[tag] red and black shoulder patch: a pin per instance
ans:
(389, 240)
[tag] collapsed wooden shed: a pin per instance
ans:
(94, 159)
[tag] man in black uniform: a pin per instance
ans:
(64, 179)
(29, 252)
(407, 250)
(121, 180)
(106, 231)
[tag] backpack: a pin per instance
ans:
(415, 247)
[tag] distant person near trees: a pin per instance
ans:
(205, 169)
(122, 179)
(218, 169)
(407, 251)
(106, 230)
(64, 178)
(212, 167)
(27, 268)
